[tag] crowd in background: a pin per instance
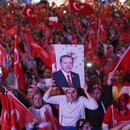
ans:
(103, 50)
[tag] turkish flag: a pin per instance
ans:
(12, 113)
(124, 62)
(2, 54)
(27, 12)
(18, 72)
(80, 8)
(39, 51)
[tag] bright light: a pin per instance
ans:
(83, 1)
(64, 11)
(0, 70)
(89, 64)
(121, 1)
(57, 2)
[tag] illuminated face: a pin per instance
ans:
(30, 93)
(37, 100)
(119, 76)
(96, 93)
(67, 64)
(71, 94)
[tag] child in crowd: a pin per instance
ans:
(83, 124)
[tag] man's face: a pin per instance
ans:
(71, 94)
(67, 64)
(37, 100)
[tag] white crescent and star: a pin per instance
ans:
(17, 56)
(77, 8)
(15, 111)
(6, 116)
(29, 12)
(102, 27)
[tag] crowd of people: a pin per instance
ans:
(104, 101)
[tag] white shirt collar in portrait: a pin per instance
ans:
(65, 74)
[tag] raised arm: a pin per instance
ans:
(51, 99)
(89, 102)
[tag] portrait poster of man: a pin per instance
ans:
(68, 66)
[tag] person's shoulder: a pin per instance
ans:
(81, 98)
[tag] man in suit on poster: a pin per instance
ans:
(65, 77)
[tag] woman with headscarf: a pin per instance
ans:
(117, 115)
(71, 106)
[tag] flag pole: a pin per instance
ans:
(98, 34)
(120, 60)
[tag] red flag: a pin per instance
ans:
(27, 12)
(102, 32)
(53, 58)
(18, 67)
(43, 54)
(124, 63)
(80, 8)
(11, 31)
(2, 54)
(12, 113)
(54, 123)
(124, 36)
(55, 25)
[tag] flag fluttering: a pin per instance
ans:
(80, 8)
(12, 113)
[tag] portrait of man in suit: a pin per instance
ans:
(65, 77)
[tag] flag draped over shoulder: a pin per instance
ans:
(80, 8)
(14, 114)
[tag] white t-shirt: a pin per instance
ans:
(69, 112)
